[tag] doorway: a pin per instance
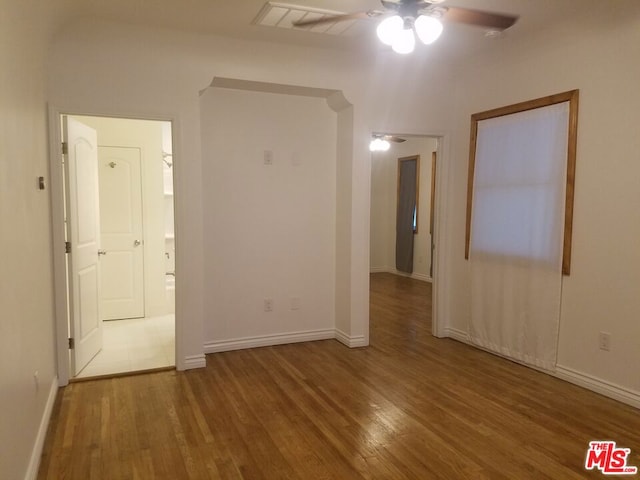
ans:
(385, 189)
(385, 193)
(118, 190)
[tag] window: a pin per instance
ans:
(521, 166)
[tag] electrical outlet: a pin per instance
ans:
(268, 157)
(604, 341)
(268, 304)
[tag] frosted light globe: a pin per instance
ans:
(428, 29)
(405, 41)
(389, 28)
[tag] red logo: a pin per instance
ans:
(610, 460)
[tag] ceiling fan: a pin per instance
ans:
(424, 17)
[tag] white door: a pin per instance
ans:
(122, 265)
(83, 233)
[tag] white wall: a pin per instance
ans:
(598, 55)
(26, 288)
(270, 229)
(134, 71)
(382, 197)
(384, 200)
(146, 135)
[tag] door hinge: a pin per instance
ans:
(65, 148)
(67, 247)
(72, 344)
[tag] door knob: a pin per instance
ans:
(136, 243)
(102, 252)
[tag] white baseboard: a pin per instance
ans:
(422, 277)
(584, 380)
(416, 276)
(598, 385)
(268, 340)
(36, 453)
(350, 341)
(194, 361)
(456, 334)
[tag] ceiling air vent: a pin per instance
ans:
(282, 15)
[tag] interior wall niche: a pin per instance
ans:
(276, 171)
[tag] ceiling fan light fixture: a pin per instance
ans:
(379, 145)
(405, 19)
(405, 41)
(428, 29)
(389, 28)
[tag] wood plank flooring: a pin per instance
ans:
(410, 406)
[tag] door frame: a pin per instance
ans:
(440, 280)
(60, 274)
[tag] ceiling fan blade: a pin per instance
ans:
(393, 138)
(335, 18)
(494, 21)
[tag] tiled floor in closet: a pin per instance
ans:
(134, 344)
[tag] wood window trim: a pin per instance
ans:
(572, 97)
(404, 159)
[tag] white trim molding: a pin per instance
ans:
(422, 277)
(350, 341)
(416, 276)
(36, 453)
(459, 335)
(194, 361)
(598, 385)
(567, 374)
(268, 340)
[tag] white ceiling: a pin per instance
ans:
(234, 18)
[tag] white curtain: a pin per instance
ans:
(517, 231)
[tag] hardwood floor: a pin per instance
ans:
(410, 406)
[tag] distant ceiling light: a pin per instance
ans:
(379, 145)
(493, 34)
